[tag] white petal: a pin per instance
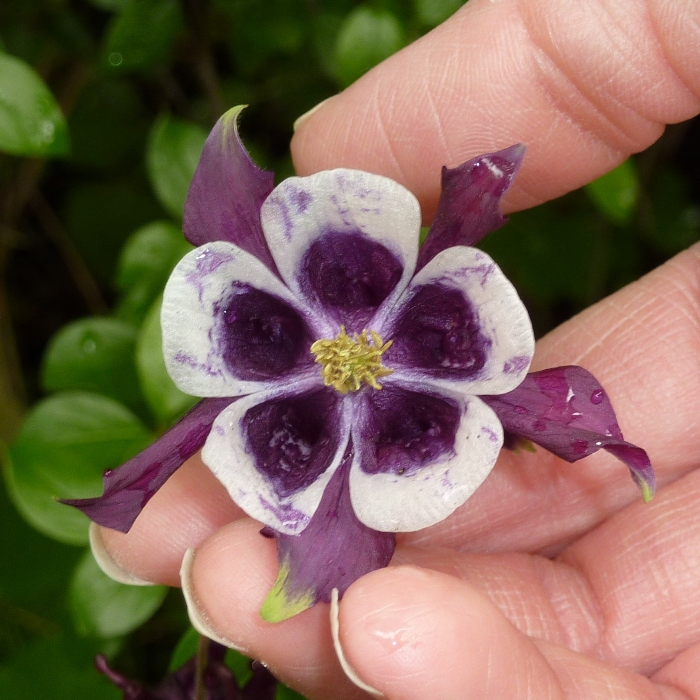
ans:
(393, 502)
(230, 457)
(198, 285)
(302, 209)
(502, 319)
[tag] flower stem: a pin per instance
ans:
(201, 660)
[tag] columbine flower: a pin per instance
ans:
(358, 386)
(218, 681)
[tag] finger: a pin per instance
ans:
(582, 84)
(229, 578)
(189, 508)
(644, 346)
(625, 593)
(683, 673)
(415, 634)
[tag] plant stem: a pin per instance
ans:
(201, 661)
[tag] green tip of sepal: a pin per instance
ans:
(647, 491)
(279, 605)
(523, 445)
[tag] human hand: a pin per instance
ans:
(484, 617)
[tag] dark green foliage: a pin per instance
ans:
(89, 236)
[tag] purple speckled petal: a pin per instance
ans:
(227, 191)
(275, 452)
(333, 551)
(128, 488)
(460, 325)
(344, 240)
(419, 456)
(566, 411)
(230, 327)
(470, 202)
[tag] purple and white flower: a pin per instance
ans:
(357, 385)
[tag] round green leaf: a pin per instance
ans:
(366, 38)
(95, 355)
(433, 12)
(165, 400)
(145, 264)
(142, 34)
(615, 194)
(101, 607)
(63, 446)
(31, 122)
(172, 154)
(186, 648)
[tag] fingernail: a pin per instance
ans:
(300, 120)
(344, 663)
(108, 565)
(200, 620)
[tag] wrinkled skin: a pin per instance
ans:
(556, 572)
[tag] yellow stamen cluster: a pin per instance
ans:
(348, 362)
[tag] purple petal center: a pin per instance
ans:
(293, 440)
(349, 275)
(405, 430)
(438, 331)
(260, 336)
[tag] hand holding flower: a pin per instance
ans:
(531, 503)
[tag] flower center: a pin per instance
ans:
(347, 362)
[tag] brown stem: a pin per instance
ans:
(200, 666)
(83, 279)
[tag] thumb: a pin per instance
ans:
(412, 634)
(582, 84)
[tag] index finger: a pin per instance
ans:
(582, 84)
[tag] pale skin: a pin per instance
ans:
(554, 581)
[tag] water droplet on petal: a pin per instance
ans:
(597, 396)
(540, 426)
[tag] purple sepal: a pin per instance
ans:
(470, 201)
(334, 550)
(566, 411)
(226, 193)
(128, 488)
(218, 680)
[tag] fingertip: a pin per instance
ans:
(229, 579)
(188, 509)
(412, 633)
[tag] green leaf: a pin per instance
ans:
(142, 34)
(186, 648)
(240, 665)
(676, 217)
(100, 215)
(95, 355)
(173, 151)
(284, 693)
(104, 608)
(63, 446)
(110, 5)
(615, 194)
(433, 12)
(146, 262)
(108, 125)
(61, 668)
(366, 38)
(166, 401)
(31, 122)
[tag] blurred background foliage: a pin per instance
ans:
(104, 108)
